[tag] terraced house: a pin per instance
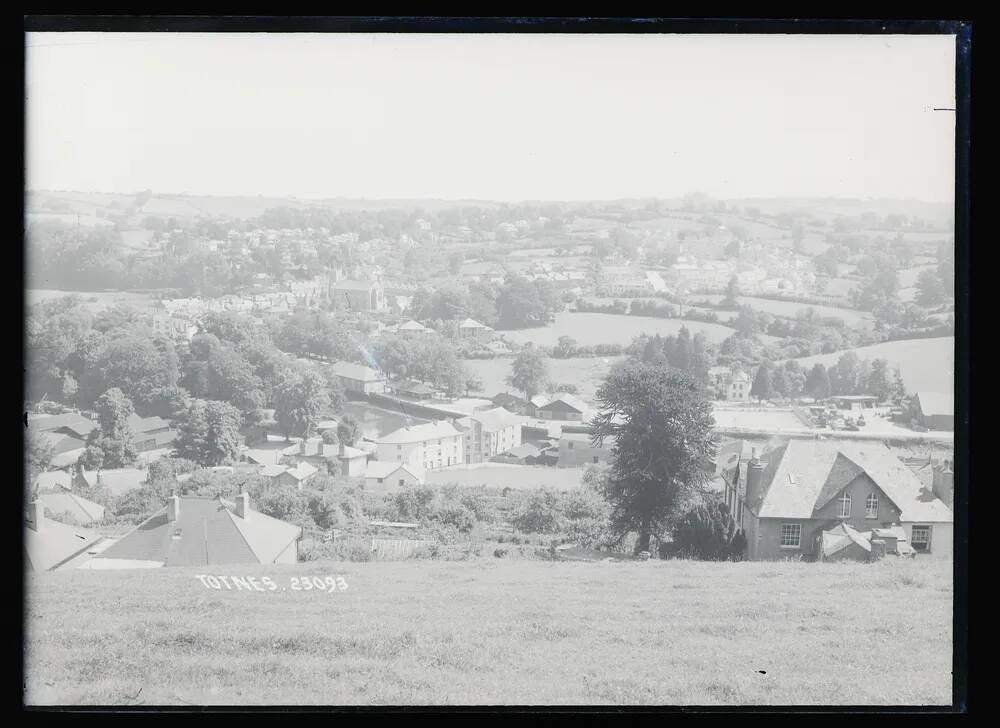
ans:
(430, 445)
(785, 499)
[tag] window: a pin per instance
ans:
(845, 505)
(920, 538)
(871, 506)
(402, 482)
(791, 533)
(595, 459)
(380, 480)
(570, 446)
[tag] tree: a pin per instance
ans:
(522, 303)
(529, 372)
(660, 423)
(879, 380)
(299, 401)
(898, 386)
(794, 377)
(565, 348)
(169, 402)
(732, 291)
(114, 435)
(210, 433)
(847, 369)
(930, 290)
(39, 455)
(818, 383)
(348, 430)
(761, 387)
(473, 383)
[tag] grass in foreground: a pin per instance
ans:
(497, 632)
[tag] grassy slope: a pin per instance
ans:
(492, 631)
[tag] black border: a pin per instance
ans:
(962, 694)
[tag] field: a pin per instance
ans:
(925, 364)
(585, 372)
(791, 309)
(519, 477)
(606, 328)
(490, 631)
(103, 299)
(757, 419)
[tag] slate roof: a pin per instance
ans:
(568, 399)
(83, 511)
(384, 468)
(936, 403)
(358, 372)
(55, 544)
(210, 532)
(800, 474)
(142, 425)
(496, 419)
(419, 433)
(118, 480)
(79, 424)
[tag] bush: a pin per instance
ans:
(499, 553)
(539, 514)
(708, 532)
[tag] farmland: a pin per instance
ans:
(925, 364)
(585, 372)
(490, 631)
(604, 328)
(93, 300)
(790, 309)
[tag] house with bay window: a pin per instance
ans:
(785, 499)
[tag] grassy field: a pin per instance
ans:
(605, 328)
(925, 364)
(491, 631)
(585, 372)
(94, 301)
(792, 308)
(518, 477)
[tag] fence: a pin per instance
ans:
(388, 549)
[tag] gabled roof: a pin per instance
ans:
(472, 324)
(507, 397)
(524, 451)
(419, 433)
(82, 510)
(840, 537)
(61, 443)
(358, 372)
(936, 403)
(803, 475)
(570, 400)
(53, 480)
(412, 325)
(71, 422)
(351, 452)
(140, 425)
(55, 544)
(496, 419)
(207, 531)
(384, 468)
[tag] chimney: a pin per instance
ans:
(755, 471)
(36, 515)
(243, 505)
(302, 447)
(173, 508)
(943, 483)
(341, 450)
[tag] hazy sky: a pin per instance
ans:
(503, 117)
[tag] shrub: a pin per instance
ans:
(500, 553)
(539, 514)
(708, 532)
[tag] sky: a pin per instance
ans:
(492, 117)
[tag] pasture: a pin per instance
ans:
(925, 364)
(791, 309)
(501, 475)
(585, 372)
(93, 301)
(605, 328)
(496, 631)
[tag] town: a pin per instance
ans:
(411, 382)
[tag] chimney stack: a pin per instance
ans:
(173, 508)
(341, 450)
(243, 505)
(36, 515)
(943, 483)
(755, 471)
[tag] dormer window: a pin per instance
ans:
(845, 505)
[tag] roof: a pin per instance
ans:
(936, 403)
(730, 454)
(507, 397)
(300, 472)
(570, 400)
(419, 433)
(472, 324)
(412, 325)
(496, 419)
(83, 511)
(72, 421)
(207, 531)
(140, 425)
(840, 537)
(524, 451)
(855, 397)
(61, 443)
(356, 371)
(118, 480)
(55, 544)
(384, 468)
(352, 452)
(803, 475)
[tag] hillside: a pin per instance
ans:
(497, 632)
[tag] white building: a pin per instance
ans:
(381, 476)
(488, 433)
(431, 445)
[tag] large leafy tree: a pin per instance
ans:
(522, 303)
(761, 387)
(299, 400)
(210, 433)
(112, 444)
(529, 372)
(818, 382)
(659, 421)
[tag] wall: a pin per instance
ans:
(410, 408)
(942, 538)
(859, 490)
(424, 453)
(581, 453)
